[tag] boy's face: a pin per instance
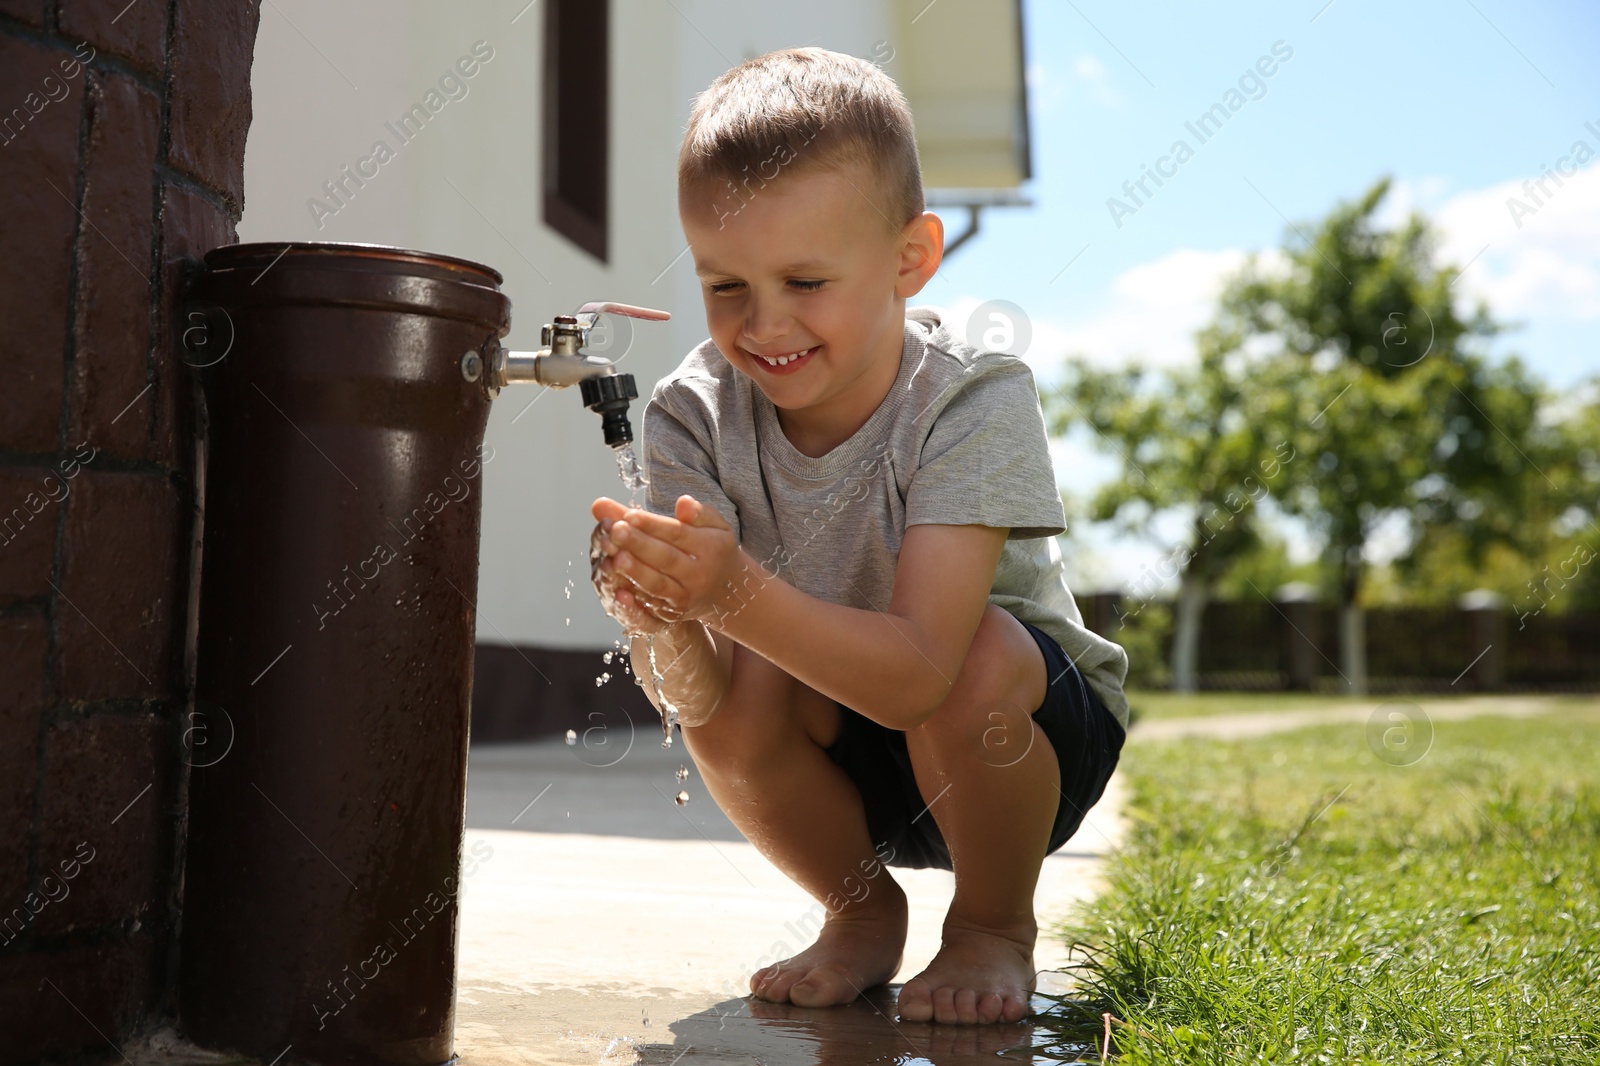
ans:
(806, 269)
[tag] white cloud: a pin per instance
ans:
(1091, 71)
(1406, 195)
(1549, 266)
(1048, 339)
(1044, 91)
(1150, 313)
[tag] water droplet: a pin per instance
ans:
(602, 679)
(606, 657)
(632, 476)
(669, 713)
(569, 621)
(681, 798)
(572, 737)
(683, 772)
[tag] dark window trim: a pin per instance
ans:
(577, 123)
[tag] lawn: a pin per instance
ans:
(1293, 898)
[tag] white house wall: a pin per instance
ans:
(468, 185)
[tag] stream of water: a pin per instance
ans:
(633, 477)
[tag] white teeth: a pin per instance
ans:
(784, 360)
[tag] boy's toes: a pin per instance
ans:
(991, 1007)
(915, 1002)
(822, 987)
(1015, 1008)
(775, 982)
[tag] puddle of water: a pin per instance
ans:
(613, 1026)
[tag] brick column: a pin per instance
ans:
(122, 132)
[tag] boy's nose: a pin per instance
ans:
(765, 324)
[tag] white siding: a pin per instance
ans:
(309, 122)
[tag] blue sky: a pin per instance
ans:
(1459, 101)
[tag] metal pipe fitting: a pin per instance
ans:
(562, 363)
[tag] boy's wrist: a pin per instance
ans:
(676, 634)
(739, 592)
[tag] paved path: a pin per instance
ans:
(1261, 723)
(610, 925)
(607, 925)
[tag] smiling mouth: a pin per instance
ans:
(786, 360)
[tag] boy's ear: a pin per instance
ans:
(921, 251)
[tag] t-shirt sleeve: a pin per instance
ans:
(986, 460)
(676, 456)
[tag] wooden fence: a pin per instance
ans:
(1295, 644)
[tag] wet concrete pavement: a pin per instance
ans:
(609, 925)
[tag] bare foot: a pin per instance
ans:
(979, 976)
(854, 951)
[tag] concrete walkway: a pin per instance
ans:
(604, 924)
(609, 925)
(1261, 723)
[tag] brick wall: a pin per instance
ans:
(122, 132)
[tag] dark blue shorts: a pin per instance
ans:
(1086, 737)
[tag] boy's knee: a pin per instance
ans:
(728, 738)
(989, 706)
(765, 713)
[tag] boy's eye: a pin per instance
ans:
(801, 284)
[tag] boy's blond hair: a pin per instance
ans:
(801, 108)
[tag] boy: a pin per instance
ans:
(847, 562)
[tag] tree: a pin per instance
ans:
(1369, 370)
(1191, 438)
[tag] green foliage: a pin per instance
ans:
(1144, 634)
(1266, 568)
(1188, 437)
(1375, 384)
(1539, 556)
(1351, 372)
(1291, 898)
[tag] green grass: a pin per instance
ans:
(1292, 898)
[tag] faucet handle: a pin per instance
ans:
(593, 311)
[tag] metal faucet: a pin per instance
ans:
(562, 362)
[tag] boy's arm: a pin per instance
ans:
(894, 666)
(696, 667)
(695, 663)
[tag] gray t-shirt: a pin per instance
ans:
(958, 440)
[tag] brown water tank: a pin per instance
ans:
(345, 407)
